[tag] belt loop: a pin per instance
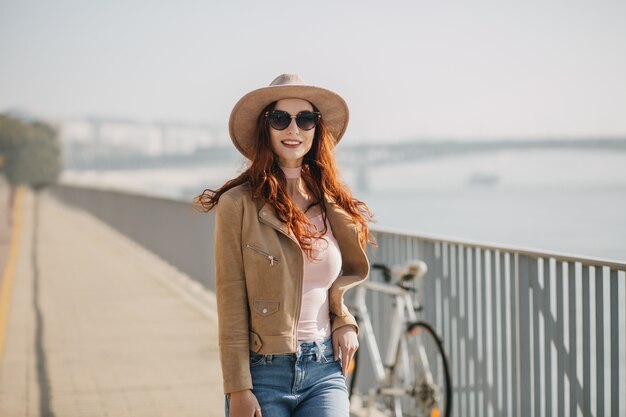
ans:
(298, 351)
(320, 351)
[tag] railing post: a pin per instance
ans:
(549, 333)
(495, 313)
(560, 339)
(599, 342)
(586, 405)
(573, 348)
(481, 367)
(509, 349)
(481, 275)
(538, 296)
(524, 364)
(514, 309)
(615, 391)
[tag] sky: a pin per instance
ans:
(408, 69)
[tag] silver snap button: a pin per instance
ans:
(263, 213)
(265, 311)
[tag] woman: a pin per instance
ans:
(289, 241)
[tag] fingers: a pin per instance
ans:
(346, 359)
(257, 408)
(244, 404)
(345, 344)
(347, 354)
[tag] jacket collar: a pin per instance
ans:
(340, 221)
(267, 215)
(344, 229)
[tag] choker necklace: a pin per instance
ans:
(291, 173)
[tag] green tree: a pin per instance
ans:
(29, 155)
(10, 131)
(31, 151)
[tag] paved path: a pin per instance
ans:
(5, 230)
(96, 328)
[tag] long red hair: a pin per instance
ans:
(268, 183)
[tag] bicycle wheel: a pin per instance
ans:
(422, 374)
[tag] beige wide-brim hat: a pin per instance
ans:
(242, 125)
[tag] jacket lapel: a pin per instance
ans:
(340, 221)
(345, 231)
(268, 216)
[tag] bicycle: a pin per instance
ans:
(414, 380)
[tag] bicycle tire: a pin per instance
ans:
(427, 387)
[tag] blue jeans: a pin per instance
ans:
(307, 383)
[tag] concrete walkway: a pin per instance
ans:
(5, 228)
(97, 326)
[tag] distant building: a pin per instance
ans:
(85, 139)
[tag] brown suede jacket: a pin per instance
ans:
(259, 271)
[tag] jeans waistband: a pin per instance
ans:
(317, 348)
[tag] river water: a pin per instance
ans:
(570, 202)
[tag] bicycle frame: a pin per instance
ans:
(404, 379)
(403, 303)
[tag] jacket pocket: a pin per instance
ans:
(271, 258)
(265, 307)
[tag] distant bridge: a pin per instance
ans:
(363, 157)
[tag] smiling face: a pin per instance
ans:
(291, 144)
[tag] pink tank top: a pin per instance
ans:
(320, 272)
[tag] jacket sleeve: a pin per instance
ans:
(232, 300)
(346, 320)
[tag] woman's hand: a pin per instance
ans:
(345, 342)
(244, 404)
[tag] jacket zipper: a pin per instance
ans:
(270, 257)
(299, 307)
(300, 282)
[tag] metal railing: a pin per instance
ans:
(171, 229)
(528, 333)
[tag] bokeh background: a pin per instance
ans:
(493, 126)
(139, 94)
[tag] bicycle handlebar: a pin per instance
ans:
(386, 271)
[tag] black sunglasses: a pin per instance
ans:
(280, 119)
